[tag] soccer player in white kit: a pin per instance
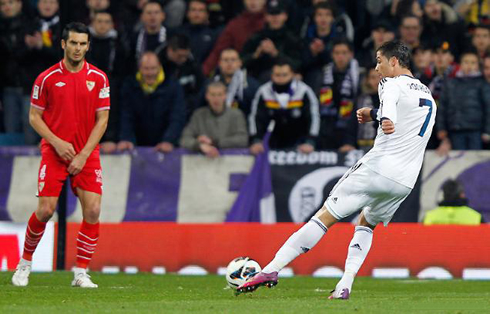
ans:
(380, 181)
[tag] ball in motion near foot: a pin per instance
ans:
(239, 270)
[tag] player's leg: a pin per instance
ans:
(298, 243)
(358, 250)
(87, 238)
(34, 232)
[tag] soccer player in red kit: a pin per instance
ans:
(69, 109)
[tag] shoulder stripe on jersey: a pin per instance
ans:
(97, 72)
(103, 108)
(49, 74)
(36, 106)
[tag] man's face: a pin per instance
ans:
(98, 5)
(341, 56)
(149, 68)
(433, 10)
(229, 62)
(323, 18)
(378, 36)
(486, 69)
(422, 59)
(410, 30)
(197, 13)
(10, 8)
(384, 66)
(254, 6)
(152, 16)
(47, 8)
(102, 23)
(481, 39)
(442, 59)
(373, 79)
(276, 21)
(216, 97)
(75, 47)
(469, 63)
(281, 75)
(178, 56)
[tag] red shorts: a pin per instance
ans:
(54, 171)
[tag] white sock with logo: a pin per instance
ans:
(358, 250)
(299, 242)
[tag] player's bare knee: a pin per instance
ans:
(325, 217)
(45, 210)
(363, 222)
(91, 213)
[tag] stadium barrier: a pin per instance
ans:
(184, 187)
(411, 247)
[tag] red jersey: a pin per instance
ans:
(70, 102)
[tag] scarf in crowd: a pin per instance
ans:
(46, 32)
(149, 89)
(234, 91)
(348, 91)
(141, 41)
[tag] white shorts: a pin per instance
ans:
(360, 188)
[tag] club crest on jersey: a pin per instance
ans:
(90, 85)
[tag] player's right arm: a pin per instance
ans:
(389, 95)
(64, 149)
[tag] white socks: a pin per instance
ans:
(358, 249)
(79, 270)
(299, 242)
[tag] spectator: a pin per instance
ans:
(292, 105)
(96, 6)
(273, 42)
(422, 58)
(202, 36)
(318, 40)
(174, 11)
(486, 68)
(453, 209)
(463, 119)
(24, 55)
(401, 8)
(474, 11)
(440, 23)
(215, 127)
(237, 32)
(153, 35)
(441, 69)
(337, 95)
(481, 40)
(366, 132)
(179, 65)
(410, 31)
(241, 88)
(152, 108)
(108, 54)
(381, 32)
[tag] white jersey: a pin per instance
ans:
(409, 105)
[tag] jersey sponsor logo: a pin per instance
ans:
(90, 85)
(60, 84)
(104, 92)
(35, 92)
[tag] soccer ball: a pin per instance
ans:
(239, 270)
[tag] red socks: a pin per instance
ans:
(86, 243)
(34, 233)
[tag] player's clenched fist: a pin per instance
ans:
(387, 126)
(364, 115)
(65, 150)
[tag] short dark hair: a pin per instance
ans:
(200, 1)
(75, 27)
(452, 190)
(325, 6)
(469, 51)
(343, 41)
(152, 2)
(397, 49)
(282, 62)
(179, 41)
(410, 16)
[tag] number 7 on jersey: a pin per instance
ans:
(428, 103)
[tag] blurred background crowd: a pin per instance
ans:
(212, 74)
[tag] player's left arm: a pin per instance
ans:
(77, 164)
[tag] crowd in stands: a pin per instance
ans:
(212, 74)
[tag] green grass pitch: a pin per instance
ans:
(147, 293)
